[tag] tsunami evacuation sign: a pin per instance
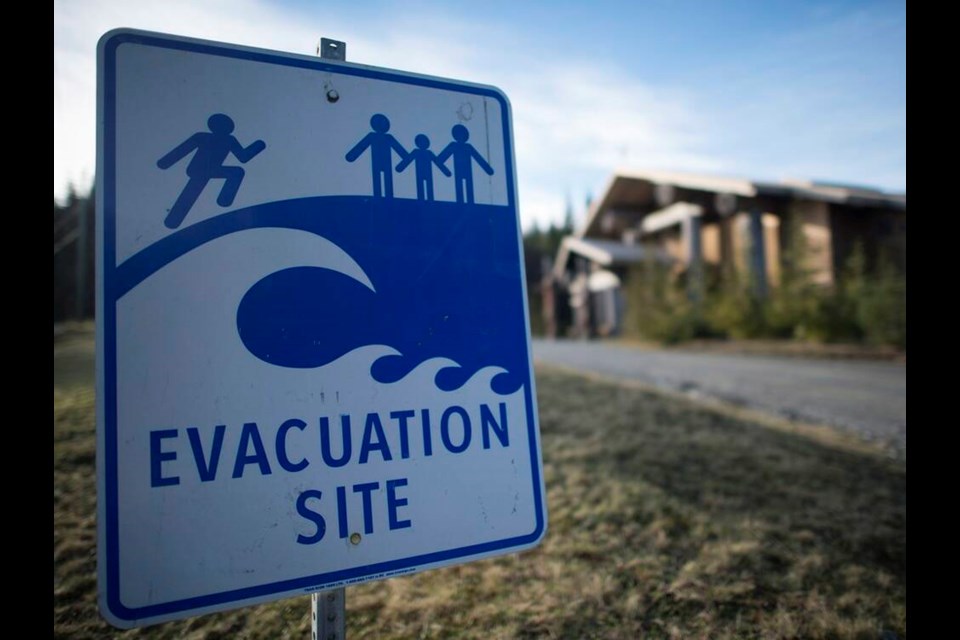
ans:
(313, 355)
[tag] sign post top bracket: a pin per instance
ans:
(332, 49)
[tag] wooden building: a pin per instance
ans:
(732, 226)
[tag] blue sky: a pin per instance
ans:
(756, 89)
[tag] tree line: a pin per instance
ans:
(73, 256)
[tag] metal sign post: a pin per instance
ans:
(328, 609)
(328, 615)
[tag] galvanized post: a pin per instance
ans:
(328, 609)
(328, 613)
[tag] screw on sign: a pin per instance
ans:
(314, 358)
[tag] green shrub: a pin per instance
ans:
(879, 303)
(863, 305)
(733, 310)
(658, 306)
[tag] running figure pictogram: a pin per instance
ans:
(212, 148)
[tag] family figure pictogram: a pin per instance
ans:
(382, 145)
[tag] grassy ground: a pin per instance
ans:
(667, 520)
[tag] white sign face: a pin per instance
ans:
(313, 351)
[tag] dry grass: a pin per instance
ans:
(667, 520)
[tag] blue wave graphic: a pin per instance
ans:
(446, 277)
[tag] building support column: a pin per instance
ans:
(758, 258)
(693, 230)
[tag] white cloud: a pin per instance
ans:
(78, 26)
(574, 120)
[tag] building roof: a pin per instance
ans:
(602, 252)
(630, 189)
(717, 184)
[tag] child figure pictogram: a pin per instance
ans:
(212, 148)
(425, 159)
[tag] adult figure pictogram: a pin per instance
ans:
(380, 144)
(463, 156)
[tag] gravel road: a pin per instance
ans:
(869, 398)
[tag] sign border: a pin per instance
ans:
(108, 569)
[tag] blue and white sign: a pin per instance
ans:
(313, 362)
